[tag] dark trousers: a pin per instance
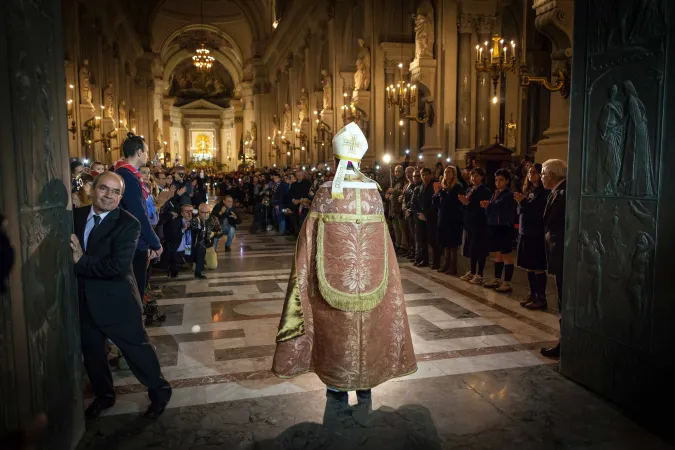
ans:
(421, 242)
(131, 339)
(432, 240)
(140, 265)
(413, 237)
(559, 287)
(197, 256)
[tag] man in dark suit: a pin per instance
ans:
(110, 304)
(554, 177)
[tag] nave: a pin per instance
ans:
(481, 383)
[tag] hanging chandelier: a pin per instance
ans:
(498, 62)
(202, 59)
(403, 94)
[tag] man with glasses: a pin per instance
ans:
(554, 177)
(134, 200)
(185, 240)
(104, 247)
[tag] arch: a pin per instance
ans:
(251, 10)
(235, 71)
(235, 50)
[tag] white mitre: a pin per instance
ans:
(349, 145)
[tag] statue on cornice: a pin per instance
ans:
(288, 120)
(303, 107)
(254, 131)
(85, 83)
(123, 114)
(362, 75)
(424, 30)
(108, 101)
(157, 135)
(132, 119)
(327, 82)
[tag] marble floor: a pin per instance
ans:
(481, 382)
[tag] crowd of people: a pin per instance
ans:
(431, 213)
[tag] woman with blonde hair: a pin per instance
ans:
(450, 218)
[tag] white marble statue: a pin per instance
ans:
(288, 120)
(424, 30)
(327, 82)
(303, 113)
(132, 119)
(123, 114)
(108, 101)
(85, 83)
(362, 75)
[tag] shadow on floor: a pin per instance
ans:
(346, 428)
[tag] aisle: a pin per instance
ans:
(481, 380)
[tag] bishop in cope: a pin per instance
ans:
(344, 316)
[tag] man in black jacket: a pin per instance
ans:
(134, 201)
(554, 177)
(110, 304)
(298, 190)
(427, 218)
(229, 219)
(184, 243)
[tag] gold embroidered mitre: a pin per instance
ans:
(349, 145)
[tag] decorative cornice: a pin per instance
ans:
(555, 21)
(466, 23)
(485, 25)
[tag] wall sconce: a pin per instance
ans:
(561, 85)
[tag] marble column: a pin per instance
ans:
(484, 88)
(465, 67)
(550, 24)
(390, 123)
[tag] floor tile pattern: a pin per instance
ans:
(481, 382)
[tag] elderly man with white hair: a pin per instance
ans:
(554, 177)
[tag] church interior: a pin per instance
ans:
(252, 86)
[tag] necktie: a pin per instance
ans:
(97, 220)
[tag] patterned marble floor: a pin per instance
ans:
(481, 382)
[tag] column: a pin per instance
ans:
(390, 124)
(465, 67)
(484, 87)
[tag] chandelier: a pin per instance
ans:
(496, 61)
(403, 94)
(202, 59)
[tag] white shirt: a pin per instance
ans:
(90, 224)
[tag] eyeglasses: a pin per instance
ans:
(180, 174)
(105, 190)
(204, 212)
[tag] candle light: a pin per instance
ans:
(477, 52)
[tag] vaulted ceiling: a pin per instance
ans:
(234, 30)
